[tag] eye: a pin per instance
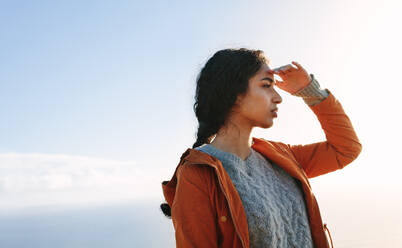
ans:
(266, 85)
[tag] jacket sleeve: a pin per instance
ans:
(193, 215)
(341, 147)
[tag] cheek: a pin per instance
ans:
(257, 105)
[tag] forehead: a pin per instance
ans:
(264, 71)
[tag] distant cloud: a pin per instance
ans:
(42, 179)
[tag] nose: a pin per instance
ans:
(277, 98)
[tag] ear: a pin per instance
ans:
(239, 99)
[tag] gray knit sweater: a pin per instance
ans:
(273, 202)
(272, 199)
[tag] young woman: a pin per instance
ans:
(234, 190)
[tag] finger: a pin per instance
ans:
(285, 67)
(281, 73)
(281, 85)
(278, 82)
(297, 65)
(271, 71)
(280, 79)
(289, 68)
(277, 71)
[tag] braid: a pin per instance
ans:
(205, 133)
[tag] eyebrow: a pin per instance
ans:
(268, 79)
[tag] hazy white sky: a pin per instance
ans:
(96, 96)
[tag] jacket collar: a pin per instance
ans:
(274, 152)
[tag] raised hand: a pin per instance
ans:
(293, 78)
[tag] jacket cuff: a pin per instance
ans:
(312, 94)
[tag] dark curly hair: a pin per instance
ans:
(225, 76)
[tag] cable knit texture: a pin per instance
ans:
(273, 202)
(312, 94)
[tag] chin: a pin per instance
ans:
(267, 125)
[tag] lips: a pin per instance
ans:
(274, 112)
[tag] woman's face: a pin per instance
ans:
(257, 106)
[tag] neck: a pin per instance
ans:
(236, 140)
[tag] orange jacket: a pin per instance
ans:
(206, 208)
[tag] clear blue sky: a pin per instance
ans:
(108, 79)
(96, 96)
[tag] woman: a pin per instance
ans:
(240, 191)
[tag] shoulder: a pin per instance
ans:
(188, 169)
(200, 175)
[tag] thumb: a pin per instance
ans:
(280, 84)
